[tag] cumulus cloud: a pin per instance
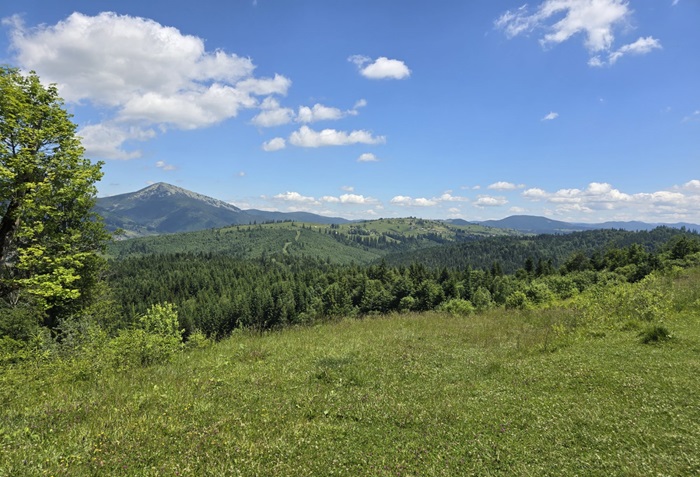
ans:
(272, 114)
(307, 137)
(165, 166)
(145, 75)
(490, 201)
(318, 112)
(274, 144)
(356, 199)
(107, 140)
(367, 157)
(411, 202)
(501, 185)
(296, 197)
(381, 68)
(561, 20)
(679, 203)
(549, 117)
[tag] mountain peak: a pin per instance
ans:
(163, 190)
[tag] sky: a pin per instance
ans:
(577, 110)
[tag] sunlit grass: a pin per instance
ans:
(491, 394)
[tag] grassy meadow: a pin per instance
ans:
(526, 393)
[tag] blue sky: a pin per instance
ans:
(578, 110)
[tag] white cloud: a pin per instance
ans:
(381, 68)
(563, 19)
(356, 199)
(501, 185)
(411, 202)
(489, 201)
(165, 166)
(549, 117)
(535, 194)
(692, 185)
(272, 114)
(347, 188)
(361, 103)
(274, 144)
(680, 203)
(367, 157)
(318, 112)
(640, 47)
(296, 197)
(307, 137)
(106, 140)
(448, 197)
(141, 73)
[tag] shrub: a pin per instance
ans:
(156, 340)
(518, 301)
(457, 307)
(655, 334)
(139, 348)
(482, 299)
(161, 319)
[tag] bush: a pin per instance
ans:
(655, 334)
(132, 348)
(20, 322)
(482, 299)
(518, 301)
(156, 340)
(457, 307)
(161, 319)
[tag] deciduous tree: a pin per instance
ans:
(49, 237)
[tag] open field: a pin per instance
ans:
(500, 393)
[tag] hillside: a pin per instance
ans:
(510, 252)
(359, 242)
(497, 393)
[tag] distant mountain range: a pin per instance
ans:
(164, 209)
(541, 225)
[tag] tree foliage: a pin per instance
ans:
(49, 237)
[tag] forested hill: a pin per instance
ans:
(359, 242)
(509, 253)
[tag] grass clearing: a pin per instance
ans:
(500, 393)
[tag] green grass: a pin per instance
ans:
(491, 394)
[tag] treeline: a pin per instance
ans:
(217, 293)
(509, 252)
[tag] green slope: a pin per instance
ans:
(499, 394)
(360, 242)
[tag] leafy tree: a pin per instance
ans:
(49, 237)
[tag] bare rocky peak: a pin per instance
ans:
(161, 189)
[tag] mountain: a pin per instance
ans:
(540, 225)
(534, 225)
(164, 209)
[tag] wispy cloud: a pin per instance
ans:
(551, 116)
(561, 20)
(165, 166)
